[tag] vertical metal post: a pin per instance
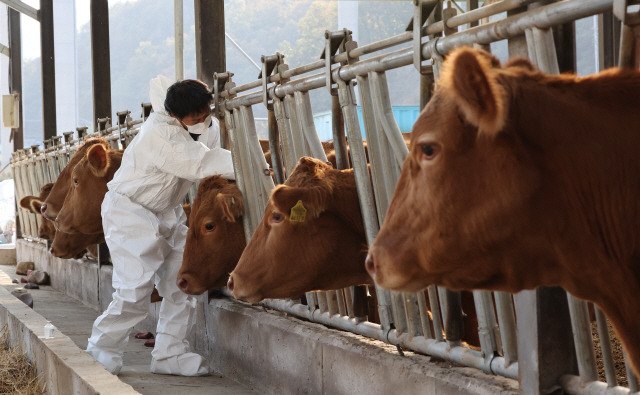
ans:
(210, 40)
(100, 59)
(47, 58)
(15, 74)
(581, 326)
(609, 30)
(545, 344)
(339, 140)
(178, 23)
(274, 147)
(565, 41)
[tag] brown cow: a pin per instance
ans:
(53, 203)
(47, 229)
(216, 236)
(80, 212)
(517, 179)
(317, 202)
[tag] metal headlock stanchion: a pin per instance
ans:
(416, 321)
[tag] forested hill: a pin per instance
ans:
(142, 37)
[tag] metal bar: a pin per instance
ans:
(21, 7)
(575, 385)
(507, 322)
(296, 132)
(322, 301)
(486, 323)
(274, 147)
(424, 316)
(307, 127)
(605, 347)
(284, 128)
(237, 169)
(435, 312)
(339, 139)
(178, 24)
(332, 302)
(631, 378)
(373, 146)
(239, 48)
(457, 354)
(100, 59)
(347, 98)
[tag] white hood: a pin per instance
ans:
(158, 92)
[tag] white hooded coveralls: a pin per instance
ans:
(145, 229)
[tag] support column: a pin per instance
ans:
(210, 40)
(545, 341)
(48, 61)
(100, 60)
(15, 73)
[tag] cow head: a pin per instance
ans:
(216, 236)
(80, 212)
(53, 203)
(311, 237)
(67, 245)
(466, 211)
(47, 230)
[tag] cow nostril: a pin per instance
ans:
(182, 284)
(370, 266)
(230, 284)
(52, 251)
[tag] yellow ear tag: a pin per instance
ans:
(298, 212)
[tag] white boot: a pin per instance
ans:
(187, 364)
(111, 361)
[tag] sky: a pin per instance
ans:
(31, 28)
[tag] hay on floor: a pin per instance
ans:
(17, 374)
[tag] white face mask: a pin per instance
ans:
(199, 128)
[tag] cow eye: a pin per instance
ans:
(209, 227)
(429, 150)
(75, 181)
(276, 217)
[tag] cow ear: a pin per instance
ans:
(232, 206)
(470, 75)
(25, 202)
(520, 62)
(98, 159)
(187, 210)
(313, 199)
(36, 204)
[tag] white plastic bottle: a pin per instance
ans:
(49, 330)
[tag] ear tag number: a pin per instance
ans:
(298, 212)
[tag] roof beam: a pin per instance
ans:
(22, 8)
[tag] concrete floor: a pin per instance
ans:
(75, 319)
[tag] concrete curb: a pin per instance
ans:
(65, 368)
(280, 354)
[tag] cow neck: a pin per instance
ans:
(345, 201)
(616, 298)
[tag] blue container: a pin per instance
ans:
(405, 118)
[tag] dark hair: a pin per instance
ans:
(187, 97)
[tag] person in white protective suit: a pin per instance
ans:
(145, 225)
